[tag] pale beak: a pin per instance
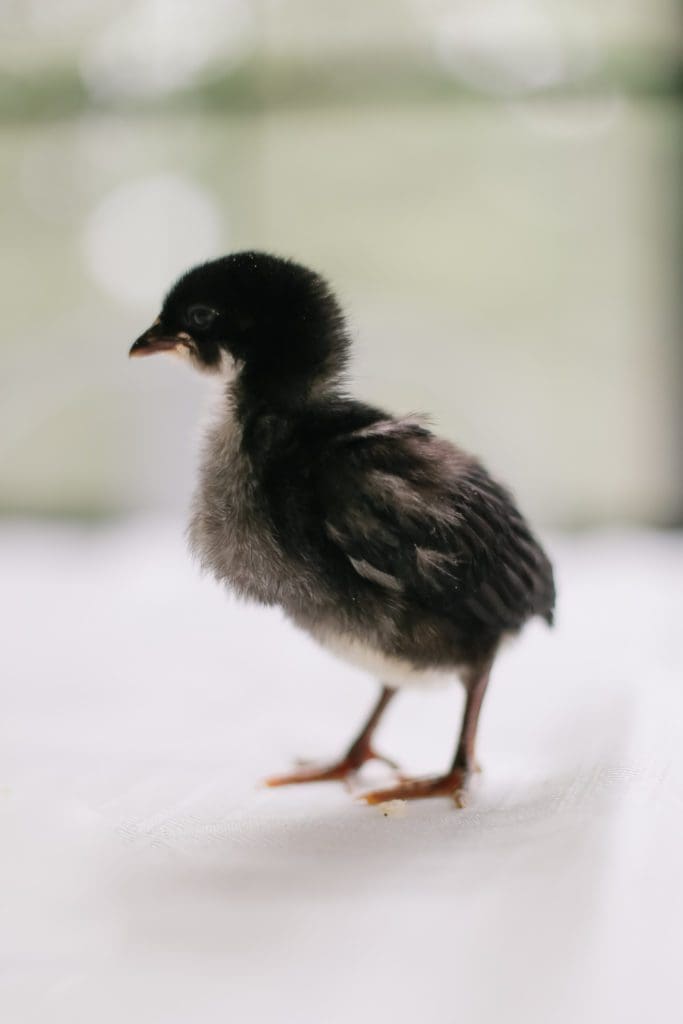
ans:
(154, 340)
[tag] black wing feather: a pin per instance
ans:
(421, 513)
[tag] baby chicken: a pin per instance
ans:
(392, 547)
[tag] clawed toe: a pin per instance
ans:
(451, 785)
(340, 771)
(312, 773)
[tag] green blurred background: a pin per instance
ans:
(493, 188)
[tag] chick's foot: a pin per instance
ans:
(451, 785)
(341, 770)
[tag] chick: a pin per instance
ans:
(390, 546)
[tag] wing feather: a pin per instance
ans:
(414, 515)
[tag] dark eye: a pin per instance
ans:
(200, 316)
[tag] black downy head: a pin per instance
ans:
(276, 320)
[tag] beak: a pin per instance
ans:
(153, 340)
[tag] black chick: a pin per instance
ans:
(390, 546)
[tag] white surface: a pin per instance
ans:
(146, 878)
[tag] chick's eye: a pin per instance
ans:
(200, 316)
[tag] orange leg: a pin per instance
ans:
(453, 783)
(360, 751)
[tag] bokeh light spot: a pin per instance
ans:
(157, 46)
(146, 232)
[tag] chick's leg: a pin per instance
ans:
(453, 783)
(360, 751)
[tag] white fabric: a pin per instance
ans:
(147, 878)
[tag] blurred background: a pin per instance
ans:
(493, 188)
